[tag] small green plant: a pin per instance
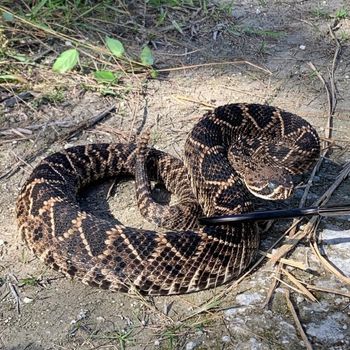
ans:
(319, 13)
(341, 13)
(66, 61)
(29, 281)
(263, 48)
(122, 337)
(227, 7)
(158, 3)
(115, 46)
(53, 95)
(344, 36)
(171, 336)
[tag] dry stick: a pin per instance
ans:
(339, 179)
(273, 286)
(327, 264)
(327, 290)
(286, 248)
(281, 252)
(210, 64)
(15, 295)
(87, 124)
(296, 282)
(290, 262)
(23, 161)
(310, 180)
(185, 98)
(32, 155)
(289, 286)
(297, 321)
(334, 64)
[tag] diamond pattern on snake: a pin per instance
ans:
(231, 151)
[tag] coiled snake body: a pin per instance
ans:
(233, 148)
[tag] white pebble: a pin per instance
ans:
(302, 47)
(300, 299)
(190, 345)
(27, 300)
(226, 338)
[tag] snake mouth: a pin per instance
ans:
(272, 190)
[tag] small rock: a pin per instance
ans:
(302, 47)
(27, 300)
(190, 345)
(226, 338)
(248, 298)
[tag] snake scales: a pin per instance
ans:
(256, 145)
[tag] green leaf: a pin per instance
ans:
(154, 74)
(147, 56)
(66, 61)
(12, 77)
(20, 57)
(8, 17)
(115, 46)
(108, 92)
(105, 76)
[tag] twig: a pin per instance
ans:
(286, 248)
(339, 179)
(328, 290)
(210, 64)
(327, 264)
(297, 321)
(310, 226)
(310, 181)
(273, 285)
(290, 262)
(15, 295)
(22, 160)
(296, 282)
(185, 98)
(87, 124)
(289, 286)
(32, 155)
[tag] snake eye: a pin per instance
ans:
(272, 185)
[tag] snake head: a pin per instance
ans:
(262, 175)
(272, 183)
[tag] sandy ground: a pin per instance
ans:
(56, 313)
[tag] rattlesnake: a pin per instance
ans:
(256, 145)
